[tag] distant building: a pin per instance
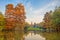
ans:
(31, 24)
(35, 25)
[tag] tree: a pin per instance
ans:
(41, 24)
(1, 21)
(56, 19)
(47, 19)
(14, 17)
(27, 25)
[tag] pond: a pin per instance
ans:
(29, 35)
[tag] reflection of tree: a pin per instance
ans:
(26, 33)
(8, 35)
(51, 36)
(13, 35)
(19, 35)
(1, 35)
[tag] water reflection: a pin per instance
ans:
(34, 36)
(1, 36)
(51, 36)
(12, 35)
(8, 35)
(37, 35)
(19, 35)
(28, 35)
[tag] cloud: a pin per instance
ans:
(29, 7)
(45, 7)
(37, 15)
(34, 19)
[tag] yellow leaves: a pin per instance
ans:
(1, 21)
(1, 17)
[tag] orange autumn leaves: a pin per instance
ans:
(14, 16)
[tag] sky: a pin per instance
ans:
(34, 9)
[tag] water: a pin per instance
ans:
(33, 36)
(29, 35)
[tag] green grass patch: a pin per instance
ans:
(30, 28)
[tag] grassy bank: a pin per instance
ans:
(33, 28)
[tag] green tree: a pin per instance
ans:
(56, 19)
(27, 25)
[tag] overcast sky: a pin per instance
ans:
(35, 9)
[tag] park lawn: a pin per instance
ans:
(30, 28)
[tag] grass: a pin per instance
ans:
(30, 28)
